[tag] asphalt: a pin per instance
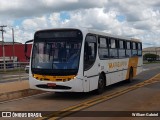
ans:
(145, 99)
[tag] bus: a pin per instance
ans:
(81, 60)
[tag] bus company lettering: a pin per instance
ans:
(117, 64)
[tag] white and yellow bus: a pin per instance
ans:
(82, 60)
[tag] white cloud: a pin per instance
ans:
(140, 19)
(54, 20)
(93, 18)
(27, 8)
(35, 23)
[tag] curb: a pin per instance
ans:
(18, 94)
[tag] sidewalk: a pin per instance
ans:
(14, 86)
(16, 89)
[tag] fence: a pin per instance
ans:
(13, 71)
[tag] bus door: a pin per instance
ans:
(90, 64)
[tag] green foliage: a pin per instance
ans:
(150, 57)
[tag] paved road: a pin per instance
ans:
(151, 66)
(55, 102)
(143, 99)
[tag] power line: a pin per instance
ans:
(2, 26)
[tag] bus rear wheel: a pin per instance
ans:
(130, 79)
(101, 84)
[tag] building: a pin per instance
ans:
(19, 55)
(152, 50)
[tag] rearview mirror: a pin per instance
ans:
(26, 48)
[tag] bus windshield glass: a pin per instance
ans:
(62, 54)
(56, 52)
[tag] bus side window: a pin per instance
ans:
(139, 49)
(121, 49)
(128, 49)
(103, 48)
(113, 48)
(134, 49)
(90, 50)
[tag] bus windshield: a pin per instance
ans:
(56, 54)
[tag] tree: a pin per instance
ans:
(150, 57)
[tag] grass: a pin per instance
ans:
(146, 62)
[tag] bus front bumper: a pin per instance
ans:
(73, 85)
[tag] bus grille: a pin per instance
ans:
(53, 78)
(53, 87)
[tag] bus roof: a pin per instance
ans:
(93, 31)
(111, 35)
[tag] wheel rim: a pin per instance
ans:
(101, 84)
(131, 75)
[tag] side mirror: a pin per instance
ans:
(26, 48)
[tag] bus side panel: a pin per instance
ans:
(136, 64)
(86, 85)
(139, 66)
(93, 82)
(91, 77)
(116, 70)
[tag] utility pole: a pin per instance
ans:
(4, 62)
(13, 44)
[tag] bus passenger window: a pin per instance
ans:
(113, 49)
(139, 49)
(103, 48)
(113, 43)
(121, 49)
(134, 51)
(90, 51)
(128, 50)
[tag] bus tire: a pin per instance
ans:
(101, 84)
(130, 79)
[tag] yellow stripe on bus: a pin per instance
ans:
(53, 78)
(133, 62)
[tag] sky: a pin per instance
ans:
(129, 18)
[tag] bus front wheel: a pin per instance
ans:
(101, 84)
